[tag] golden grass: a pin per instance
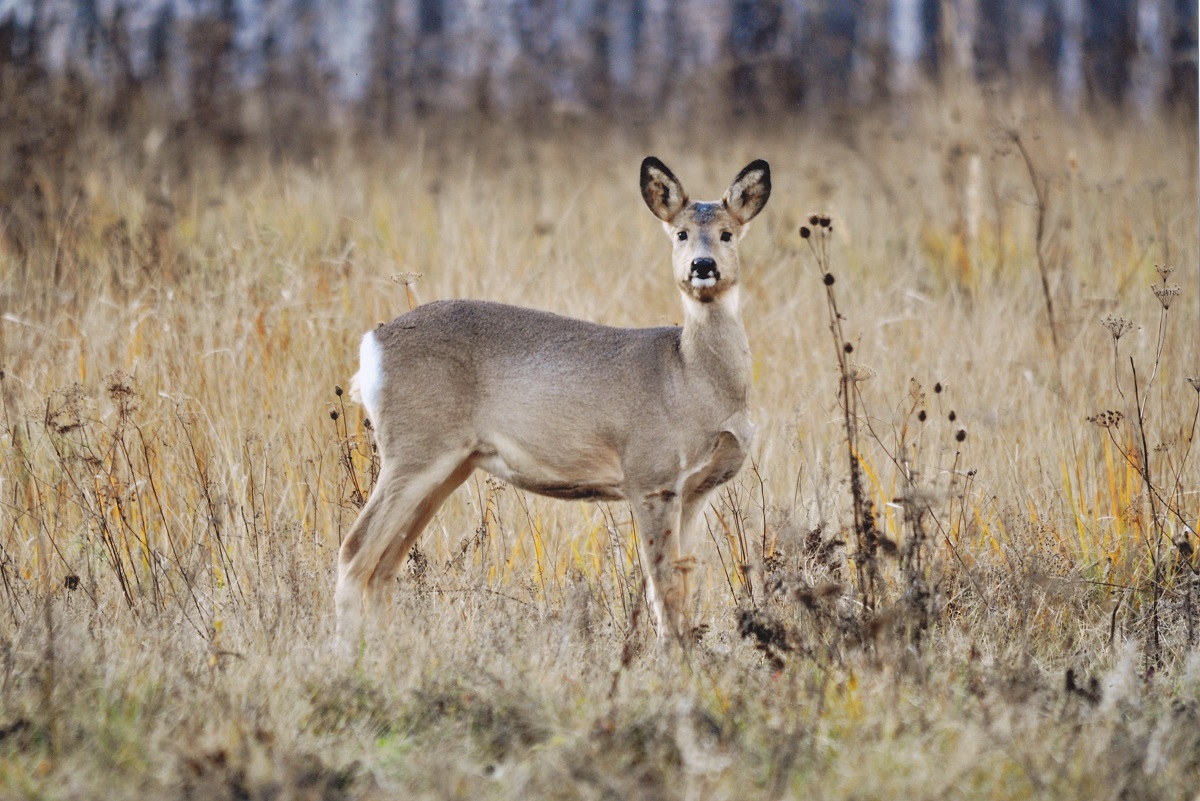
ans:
(173, 485)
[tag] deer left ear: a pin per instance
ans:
(661, 189)
(749, 192)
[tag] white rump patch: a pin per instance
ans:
(368, 381)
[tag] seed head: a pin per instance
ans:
(805, 233)
(337, 390)
(333, 414)
(828, 279)
(1165, 293)
(922, 416)
(1164, 272)
(953, 416)
(814, 220)
(860, 372)
(1107, 419)
(1117, 326)
(825, 221)
(407, 278)
(1194, 380)
(848, 348)
(937, 388)
(961, 435)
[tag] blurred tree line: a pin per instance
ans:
(238, 64)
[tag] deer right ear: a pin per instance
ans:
(749, 192)
(661, 189)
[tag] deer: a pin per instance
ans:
(561, 407)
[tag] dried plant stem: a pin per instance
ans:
(1156, 523)
(1160, 340)
(866, 541)
(1040, 196)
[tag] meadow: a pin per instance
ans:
(961, 563)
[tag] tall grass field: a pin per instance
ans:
(961, 561)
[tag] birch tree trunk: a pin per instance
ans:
(907, 43)
(1150, 65)
(964, 29)
(1070, 61)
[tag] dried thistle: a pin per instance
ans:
(1164, 272)
(1165, 293)
(1107, 419)
(1117, 326)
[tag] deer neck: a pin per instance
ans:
(714, 344)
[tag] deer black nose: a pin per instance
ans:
(704, 267)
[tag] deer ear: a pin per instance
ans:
(661, 189)
(749, 192)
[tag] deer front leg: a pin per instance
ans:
(658, 521)
(686, 563)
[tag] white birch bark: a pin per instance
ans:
(345, 38)
(907, 40)
(1070, 62)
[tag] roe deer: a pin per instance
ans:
(657, 417)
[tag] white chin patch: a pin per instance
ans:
(702, 283)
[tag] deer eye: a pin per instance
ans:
(726, 236)
(681, 236)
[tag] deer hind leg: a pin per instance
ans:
(398, 548)
(405, 498)
(658, 521)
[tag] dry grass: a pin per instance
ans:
(173, 485)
